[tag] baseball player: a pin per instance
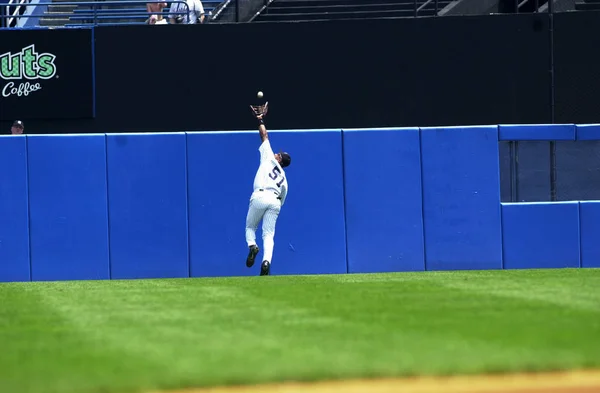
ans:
(270, 191)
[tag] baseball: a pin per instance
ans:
(260, 94)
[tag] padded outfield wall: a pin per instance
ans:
(152, 205)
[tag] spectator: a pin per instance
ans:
(195, 14)
(17, 128)
(154, 9)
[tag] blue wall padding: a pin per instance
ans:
(147, 204)
(384, 220)
(535, 132)
(589, 217)
(14, 222)
(221, 169)
(540, 235)
(161, 205)
(461, 198)
(68, 208)
(311, 237)
(588, 132)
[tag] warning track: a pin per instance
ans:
(559, 382)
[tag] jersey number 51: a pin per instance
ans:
(274, 174)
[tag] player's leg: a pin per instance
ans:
(256, 210)
(268, 233)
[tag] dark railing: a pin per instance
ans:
(12, 10)
(525, 6)
(94, 12)
(421, 7)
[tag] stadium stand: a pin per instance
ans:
(68, 13)
(10, 10)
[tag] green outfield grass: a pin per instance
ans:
(112, 336)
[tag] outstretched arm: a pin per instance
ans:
(260, 112)
(262, 130)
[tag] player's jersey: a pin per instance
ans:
(270, 175)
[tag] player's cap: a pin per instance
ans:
(285, 159)
(18, 123)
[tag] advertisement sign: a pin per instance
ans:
(46, 74)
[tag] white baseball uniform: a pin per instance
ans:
(270, 191)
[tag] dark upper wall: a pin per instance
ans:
(369, 73)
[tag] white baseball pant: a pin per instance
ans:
(263, 205)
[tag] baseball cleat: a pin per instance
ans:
(265, 268)
(251, 255)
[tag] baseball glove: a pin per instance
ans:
(260, 111)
